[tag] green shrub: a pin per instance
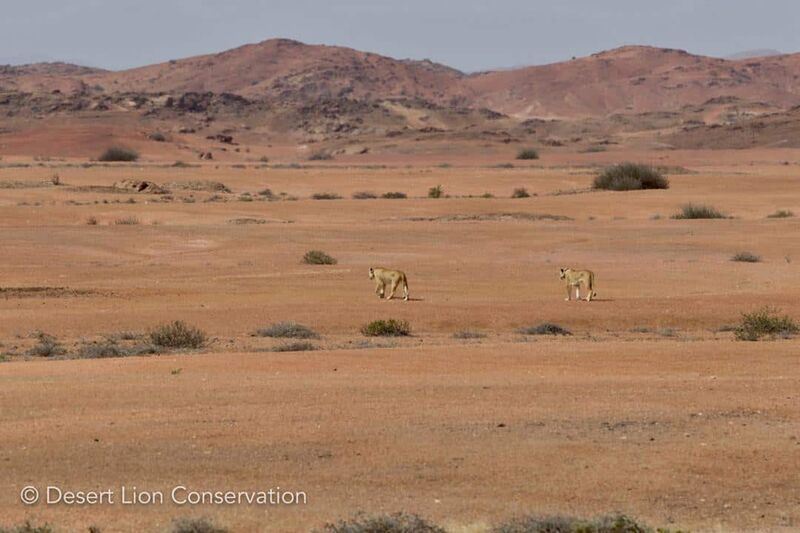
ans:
(630, 177)
(781, 213)
(436, 192)
(389, 523)
(320, 156)
(117, 153)
(364, 195)
(528, 154)
(290, 330)
(325, 196)
(746, 257)
(569, 524)
(765, 322)
(520, 192)
(318, 257)
(386, 328)
(545, 328)
(394, 195)
(698, 211)
(178, 334)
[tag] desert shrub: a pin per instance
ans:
(746, 257)
(199, 185)
(27, 527)
(528, 154)
(318, 257)
(781, 213)
(320, 156)
(109, 348)
(126, 221)
(291, 330)
(504, 165)
(117, 153)
(630, 177)
(436, 192)
(520, 192)
(325, 196)
(157, 136)
(55, 179)
(396, 195)
(91, 221)
(388, 523)
(545, 328)
(468, 334)
(364, 195)
(267, 193)
(698, 211)
(177, 334)
(487, 195)
(568, 524)
(594, 149)
(297, 346)
(386, 328)
(765, 322)
(196, 525)
(46, 346)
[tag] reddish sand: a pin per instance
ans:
(647, 409)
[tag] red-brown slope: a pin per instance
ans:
(286, 68)
(44, 77)
(635, 79)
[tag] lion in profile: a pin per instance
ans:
(392, 278)
(573, 279)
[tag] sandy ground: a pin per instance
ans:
(647, 409)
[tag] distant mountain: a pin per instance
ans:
(631, 79)
(750, 54)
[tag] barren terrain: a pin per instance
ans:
(650, 408)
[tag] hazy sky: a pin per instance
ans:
(466, 34)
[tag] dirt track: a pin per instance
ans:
(417, 426)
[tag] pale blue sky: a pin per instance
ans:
(466, 34)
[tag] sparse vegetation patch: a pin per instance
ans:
(291, 330)
(746, 257)
(118, 153)
(46, 346)
(318, 257)
(388, 523)
(545, 328)
(297, 346)
(436, 192)
(781, 213)
(396, 195)
(698, 211)
(766, 322)
(569, 524)
(469, 334)
(520, 192)
(178, 334)
(528, 154)
(364, 195)
(326, 196)
(386, 328)
(630, 177)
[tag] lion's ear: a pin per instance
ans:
(562, 270)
